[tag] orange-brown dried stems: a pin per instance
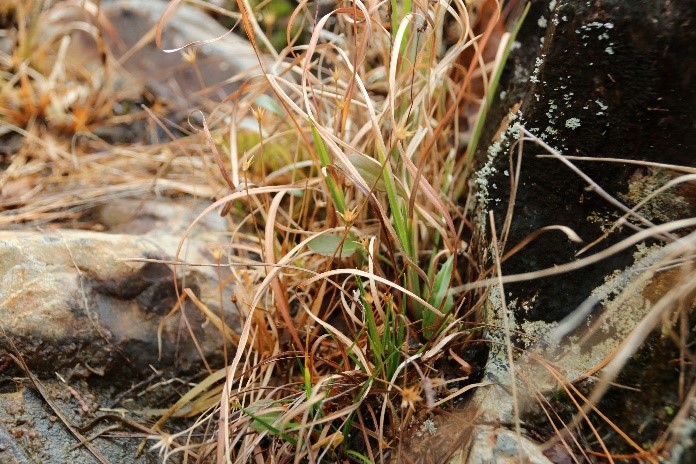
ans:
(574, 395)
(40, 72)
(26, 102)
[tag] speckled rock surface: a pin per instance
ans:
(70, 297)
(30, 432)
(83, 310)
(590, 79)
(495, 445)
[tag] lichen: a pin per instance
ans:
(572, 123)
(484, 186)
(664, 207)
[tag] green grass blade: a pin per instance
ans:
(476, 134)
(438, 296)
(259, 422)
(336, 193)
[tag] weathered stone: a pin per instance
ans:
(608, 79)
(160, 218)
(76, 297)
(30, 433)
(498, 445)
(170, 73)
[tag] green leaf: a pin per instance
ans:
(328, 245)
(360, 457)
(262, 423)
(368, 168)
(336, 194)
(438, 295)
(441, 284)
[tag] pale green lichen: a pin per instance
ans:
(572, 123)
(666, 206)
(429, 426)
(483, 175)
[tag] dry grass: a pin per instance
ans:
(351, 245)
(344, 224)
(53, 106)
(340, 169)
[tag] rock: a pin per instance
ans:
(136, 72)
(160, 218)
(30, 433)
(73, 305)
(577, 348)
(217, 62)
(605, 79)
(498, 445)
(615, 99)
(72, 297)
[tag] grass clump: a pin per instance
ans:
(344, 257)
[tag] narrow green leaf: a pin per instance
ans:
(333, 245)
(336, 194)
(359, 456)
(438, 295)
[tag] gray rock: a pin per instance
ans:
(75, 297)
(76, 304)
(169, 73)
(30, 433)
(160, 217)
(501, 446)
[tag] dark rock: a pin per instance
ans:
(612, 80)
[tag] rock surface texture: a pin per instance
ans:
(220, 65)
(608, 79)
(90, 306)
(68, 295)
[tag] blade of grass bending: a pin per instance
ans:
(438, 297)
(336, 193)
(476, 134)
(269, 427)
